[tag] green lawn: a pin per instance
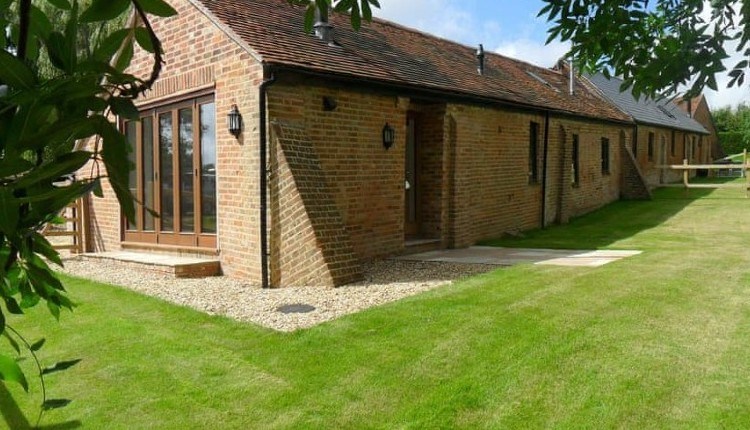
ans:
(660, 340)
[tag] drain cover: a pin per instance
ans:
(297, 308)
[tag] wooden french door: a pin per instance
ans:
(411, 209)
(174, 182)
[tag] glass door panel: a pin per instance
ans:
(208, 168)
(130, 133)
(148, 177)
(186, 196)
(166, 173)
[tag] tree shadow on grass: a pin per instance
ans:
(612, 223)
(14, 417)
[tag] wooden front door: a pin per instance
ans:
(174, 151)
(411, 210)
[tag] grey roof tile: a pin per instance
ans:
(645, 110)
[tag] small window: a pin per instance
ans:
(605, 156)
(693, 150)
(672, 145)
(651, 147)
(533, 153)
(575, 164)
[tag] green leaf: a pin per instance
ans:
(11, 372)
(43, 247)
(104, 10)
(126, 55)
(143, 38)
(12, 167)
(124, 107)
(109, 46)
(60, 366)
(310, 17)
(14, 72)
(9, 211)
(60, 52)
(54, 309)
(156, 7)
(114, 153)
(12, 306)
(40, 24)
(41, 275)
(60, 4)
(97, 190)
(64, 164)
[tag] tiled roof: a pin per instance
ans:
(391, 54)
(661, 112)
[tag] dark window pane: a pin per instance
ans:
(605, 155)
(187, 205)
(130, 133)
(166, 171)
(575, 164)
(533, 158)
(208, 167)
(148, 172)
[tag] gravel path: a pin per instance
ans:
(385, 281)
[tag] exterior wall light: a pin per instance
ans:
(389, 136)
(234, 121)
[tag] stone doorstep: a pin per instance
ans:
(180, 267)
(419, 246)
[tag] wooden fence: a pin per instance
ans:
(73, 228)
(686, 168)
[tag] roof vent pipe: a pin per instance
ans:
(323, 29)
(480, 59)
(572, 77)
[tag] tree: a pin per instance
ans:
(733, 127)
(44, 111)
(657, 46)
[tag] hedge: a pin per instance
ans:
(733, 142)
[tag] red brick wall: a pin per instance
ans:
(649, 166)
(367, 181)
(199, 56)
(309, 244)
(595, 188)
(490, 167)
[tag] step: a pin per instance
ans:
(180, 267)
(416, 246)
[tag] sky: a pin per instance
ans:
(508, 27)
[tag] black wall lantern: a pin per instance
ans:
(389, 136)
(234, 121)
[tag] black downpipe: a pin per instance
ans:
(544, 168)
(264, 179)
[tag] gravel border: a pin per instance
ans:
(385, 281)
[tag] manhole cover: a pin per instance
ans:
(297, 308)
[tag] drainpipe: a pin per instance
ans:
(263, 89)
(544, 168)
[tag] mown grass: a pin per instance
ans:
(659, 340)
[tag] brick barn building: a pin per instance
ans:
(353, 146)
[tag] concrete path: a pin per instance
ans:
(510, 256)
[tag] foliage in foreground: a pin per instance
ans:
(44, 111)
(656, 46)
